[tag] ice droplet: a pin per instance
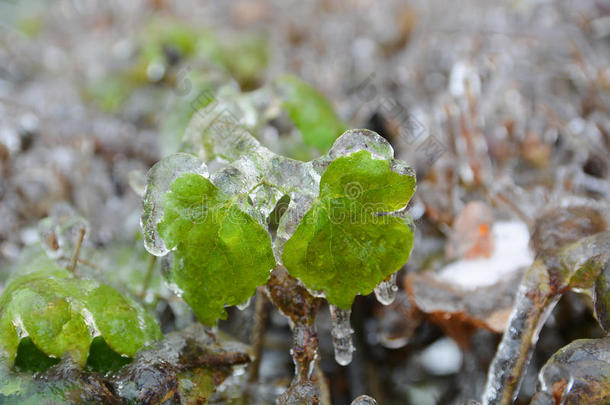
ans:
(342, 335)
(386, 290)
(364, 400)
(158, 181)
(244, 305)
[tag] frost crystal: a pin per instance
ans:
(342, 335)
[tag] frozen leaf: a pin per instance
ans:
(184, 367)
(347, 243)
(310, 112)
(220, 252)
(62, 315)
(579, 373)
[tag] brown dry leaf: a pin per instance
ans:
(459, 311)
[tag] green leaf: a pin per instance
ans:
(220, 252)
(344, 244)
(311, 113)
(60, 314)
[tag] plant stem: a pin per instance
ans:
(76, 253)
(148, 276)
(261, 313)
(325, 398)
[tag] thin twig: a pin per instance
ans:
(148, 277)
(76, 253)
(325, 398)
(261, 313)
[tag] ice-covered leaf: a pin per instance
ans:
(184, 367)
(578, 373)
(347, 242)
(62, 315)
(310, 112)
(221, 253)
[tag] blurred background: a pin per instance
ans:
(501, 107)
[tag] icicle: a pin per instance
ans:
(244, 305)
(386, 290)
(364, 400)
(342, 335)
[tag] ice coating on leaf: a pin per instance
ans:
(158, 181)
(358, 180)
(342, 335)
(347, 242)
(364, 400)
(578, 373)
(62, 314)
(220, 128)
(355, 140)
(221, 253)
(385, 292)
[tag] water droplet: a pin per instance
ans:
(386, 290)
(342, 335)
